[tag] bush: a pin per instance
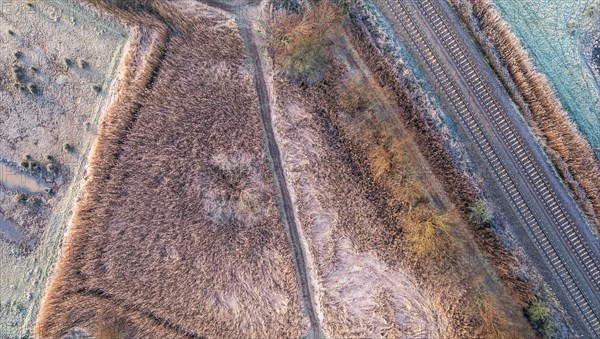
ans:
(379, 159)
(22, 197)
(302, 42)
(33, 89)
(68, 147)
(480, 211)
(538, 315)
(235, 193)
(427, 232)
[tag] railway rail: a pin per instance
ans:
(554, 232)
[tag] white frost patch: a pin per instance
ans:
(356, 285)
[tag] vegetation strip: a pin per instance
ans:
(287, 208)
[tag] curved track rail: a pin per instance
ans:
(581, 288)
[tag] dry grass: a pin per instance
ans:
(568, 149)
(457, 184)
(235, 190)
(146, 251)
(301, 41)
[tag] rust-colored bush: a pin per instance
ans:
(301, 42)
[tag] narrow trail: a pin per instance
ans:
(285, 201)
(286, 206)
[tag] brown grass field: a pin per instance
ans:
(392, 255)
(177, 233)
(533, 93)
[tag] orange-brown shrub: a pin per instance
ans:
(301, 41)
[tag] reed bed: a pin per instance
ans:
(568, 149)
(146, 249)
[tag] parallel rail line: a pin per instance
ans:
(514, 143)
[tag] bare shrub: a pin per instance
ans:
(494, 321)
(302, 41)
(235, 192)
(427, 232)
(379, 159)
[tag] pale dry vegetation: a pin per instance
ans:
(235, 190)
(148, 253)
(530, 89)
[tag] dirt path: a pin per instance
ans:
(242, 15)
(285, 201)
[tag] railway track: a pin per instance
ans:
(557, 237)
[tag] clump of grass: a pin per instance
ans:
(51, 168)
(33, 89)
(539, 316)
(68, 62)
(29, 163)
(21, 197)
(480, 212)
(427, 232)
(380, 160)
(235, 193)
(97, 88)
(109, 332)
(18, 71)
(83, 64)
(69, 148)
(494, 321)
(18, 54)
(302, 42)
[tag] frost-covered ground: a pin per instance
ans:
(552, 32)
(64, 50)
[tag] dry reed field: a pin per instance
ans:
(178, 233)
(392, 255)
(533, 93)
